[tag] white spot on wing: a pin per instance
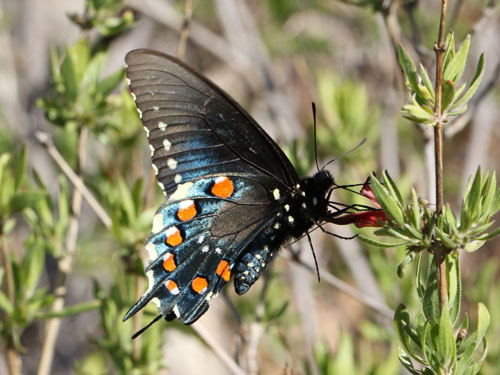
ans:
(166, 145)
(204, 249)
(186, 204)
(172, 163)
(315, 201)
(156, 301)
(156, 108)
(177, 178)
(157, 223)
(182, 191)
(277, 226)
(145, 127)
(287, 207)
(151, 280)
(128, 80)
(276, 193)
(201, 238)
(133, 96)
(176, 311)
(140, 115)
(291, 219)
(162, 126)
(218, 250)
(220, 179)
(170, 231)
(209, 296)
(151, 147)
(155, 168)
(152, 253)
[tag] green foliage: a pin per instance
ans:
(418, 228)
(80, 96)
(454, 96)
(437, 340)
(104, 15)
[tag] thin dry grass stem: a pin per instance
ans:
(65, 264)
(76, 180)
(186, 29)
(326, 276)
(167, 15)
(13, 358)
(440, 252)
(217, 349)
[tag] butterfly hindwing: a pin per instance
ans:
(192, 251)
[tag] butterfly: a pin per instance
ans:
(232, 196)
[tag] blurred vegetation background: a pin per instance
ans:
(77, 267)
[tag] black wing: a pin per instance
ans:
(195, 128)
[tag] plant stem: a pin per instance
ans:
(65, 264)
(13, 359)
(440, 252)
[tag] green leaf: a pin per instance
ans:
(456, 66)
(5, 304)
(447, 95)
(483, 322)
(392, 187)
(33, 263)
(474, 196)
(69, 78)
(454, 286)
(490, 194)
(473, 245)
(408, 68)
(406, 362)
(473, 85)
(445, 239)
(427, 82)
(108, 84)
(386, 202)
(418, 113)
(450, 49)
(414, 212)
(20, 168)
(446, 340)
(71, 310)
(20, 201)
(373, 242)
(490, 235)
(405, 332)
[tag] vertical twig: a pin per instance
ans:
(440, 253)
(186, 28)
(65, 263)
(13, 359)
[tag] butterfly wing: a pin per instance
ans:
(193, 126)
(220, 172)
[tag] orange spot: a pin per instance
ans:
(223, 187)
(223, 270)
(199, 284)
(171, 285)
(169, 262)
(187, 211)
(174, 237)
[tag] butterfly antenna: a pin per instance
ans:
(315, 137)
(139, 332)
(345, 153)
(314, 256)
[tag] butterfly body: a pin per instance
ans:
(232, 196)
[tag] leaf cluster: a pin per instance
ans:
(439, 341)
(80, 97)
(107, 16)
(455, 96)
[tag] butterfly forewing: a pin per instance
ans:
(194, 126)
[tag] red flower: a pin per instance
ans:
(362, 219)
